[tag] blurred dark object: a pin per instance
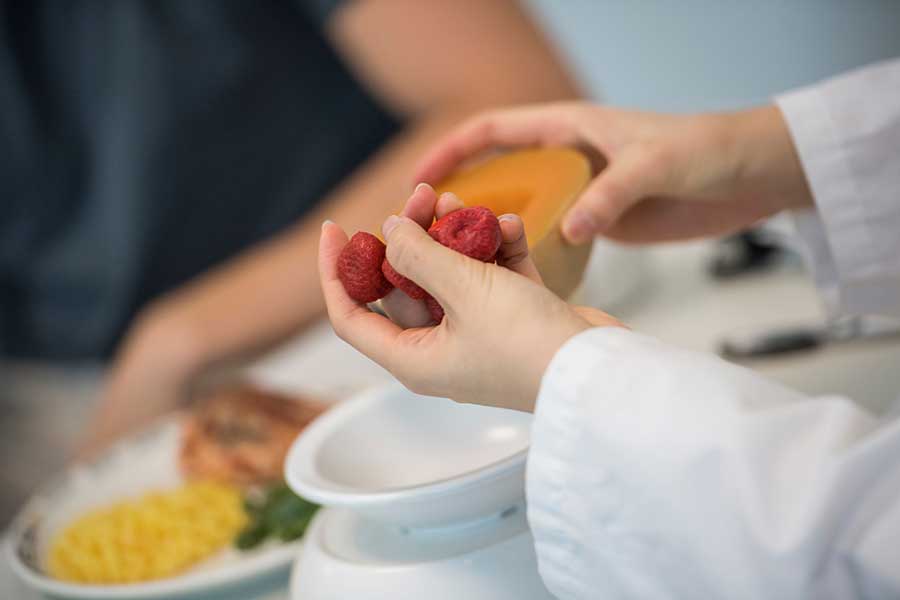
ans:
(145, 142)
(800, 338)
(747, 252)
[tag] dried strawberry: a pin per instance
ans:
(473, 231)
(434, 307)
(409, 287)
(359, 268)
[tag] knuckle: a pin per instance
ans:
(400, 247)
(611, 192)
(516, 256)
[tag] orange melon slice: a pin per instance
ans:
(539, 185)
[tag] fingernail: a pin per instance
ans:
(506, 217)
(327, 222)
(422, 186)
(580, 226)
(389, 224)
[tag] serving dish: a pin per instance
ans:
(147, 461)
(413, 461)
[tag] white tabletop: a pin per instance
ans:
(671, 298)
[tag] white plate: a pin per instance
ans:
(142, 463)
(412, 460)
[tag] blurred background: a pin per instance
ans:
(686, 56)
(696, 55)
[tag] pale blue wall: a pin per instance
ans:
(709, 54)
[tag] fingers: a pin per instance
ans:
(544, 125)
(421, 205)
(513, 253)
(625, 182)
(370, 333)
(412, 252)
(446, 204)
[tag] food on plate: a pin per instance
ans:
(359, 268)
(539, 185)
(241, 435)
(276, 512)
(155, 536)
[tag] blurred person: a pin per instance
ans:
(166, 165)
(656, 472)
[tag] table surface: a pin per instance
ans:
(44, 406)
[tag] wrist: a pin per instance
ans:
(577, 322)
(164, 337)
(768, 165)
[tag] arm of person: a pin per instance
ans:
(656, 472)
(432, 63)
(694, 478)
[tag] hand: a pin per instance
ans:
(423, 207)
(666, 177)
(501, 326)
(149, 377)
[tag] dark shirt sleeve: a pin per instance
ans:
(320, 11)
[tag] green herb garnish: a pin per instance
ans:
(278, 513)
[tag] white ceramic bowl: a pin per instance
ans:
(347, 557)
(412, 461)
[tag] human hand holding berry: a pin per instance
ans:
(501, 327)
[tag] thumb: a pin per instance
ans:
(625, 182)
(415, 255)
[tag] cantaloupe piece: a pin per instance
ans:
(539, 185)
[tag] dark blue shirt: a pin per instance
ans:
(143, 142)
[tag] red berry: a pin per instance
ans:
(434, 307)
(473, 231)
(359, 268)
(409, 287)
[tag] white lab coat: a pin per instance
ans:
(656, 472)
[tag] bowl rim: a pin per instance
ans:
(303, 476)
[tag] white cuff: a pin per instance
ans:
(847, 133)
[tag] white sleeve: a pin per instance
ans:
(656, 472)
(847, 133)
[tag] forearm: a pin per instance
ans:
(767, 162)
